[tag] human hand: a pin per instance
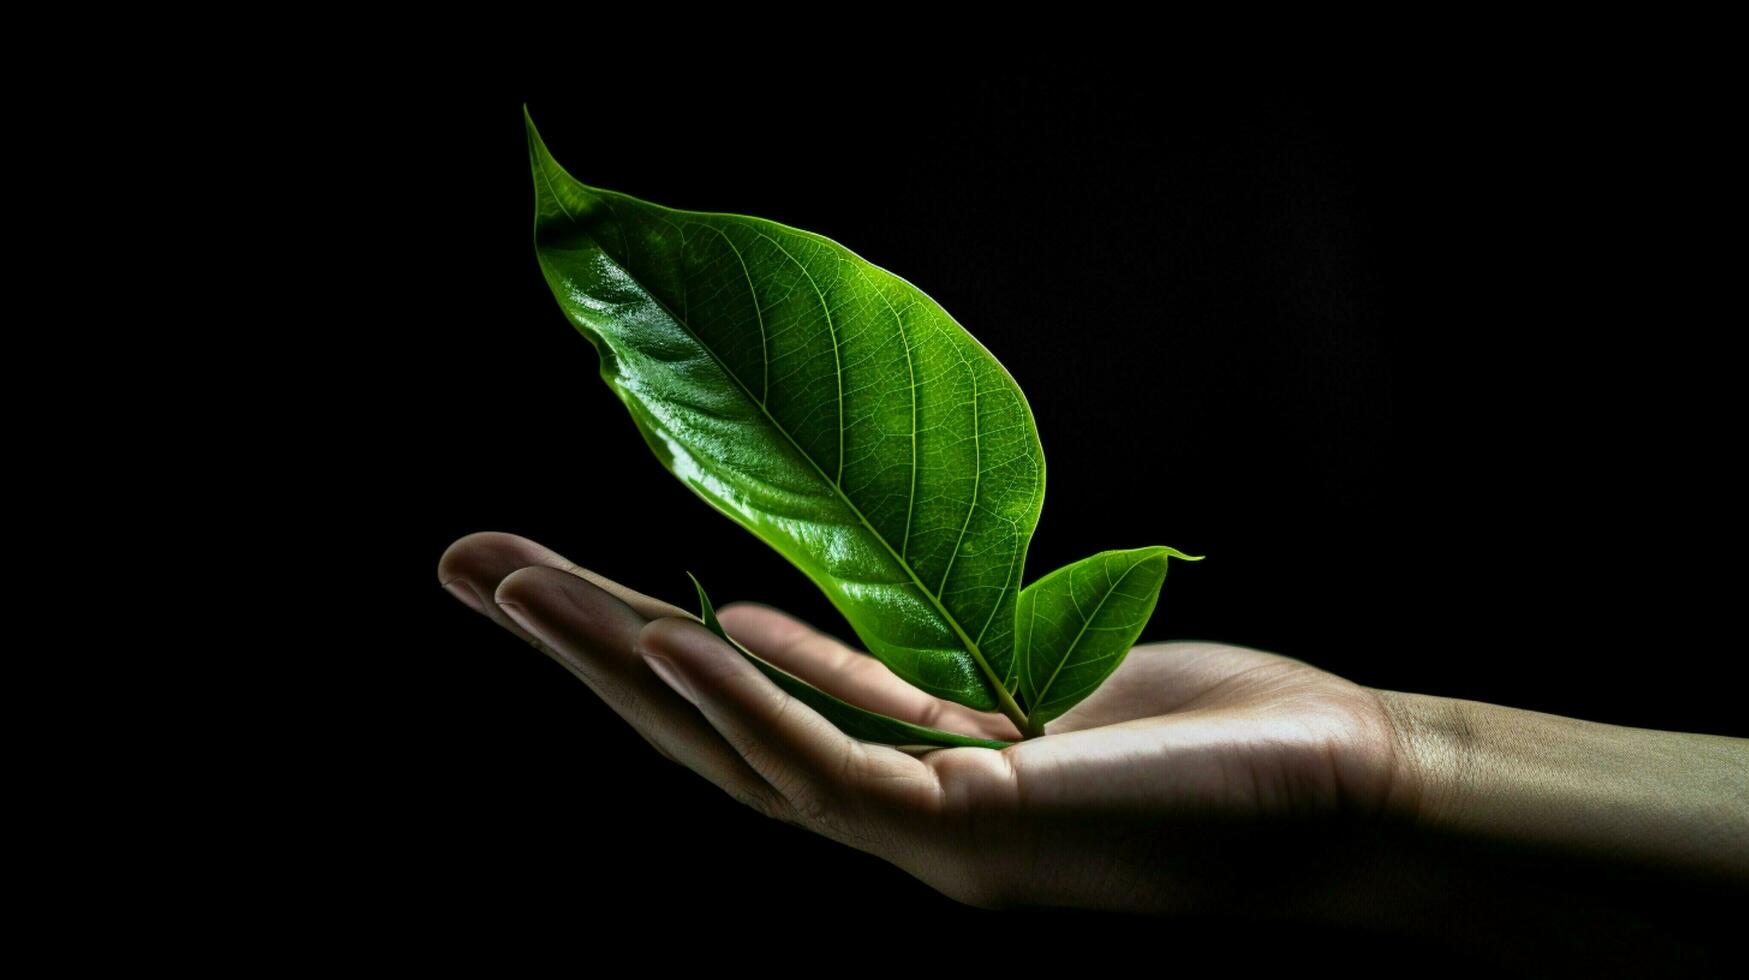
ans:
(1128, 802)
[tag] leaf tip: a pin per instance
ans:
(537, 148)
(707, 613)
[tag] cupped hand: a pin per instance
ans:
(1197, 774)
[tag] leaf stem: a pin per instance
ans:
(1003, 698)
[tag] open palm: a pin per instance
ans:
(1195, 767)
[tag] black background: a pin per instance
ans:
(1429, 367)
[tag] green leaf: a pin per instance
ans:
(1075, 625)
(856, 722)
(824, 403)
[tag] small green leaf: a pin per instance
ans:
(851, 720)
(1074, 626)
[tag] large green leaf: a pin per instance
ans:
(1074, 626)
(826, 404)
(851, 720)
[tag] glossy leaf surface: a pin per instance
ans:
(824, 403)
(856, 722)
(1075, 625)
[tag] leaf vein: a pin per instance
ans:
(837, 364)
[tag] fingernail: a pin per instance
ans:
(461, 589)
(665, 670)
(520, 617)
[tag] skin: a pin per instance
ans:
(1200, 775)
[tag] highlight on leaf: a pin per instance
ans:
(837, 412)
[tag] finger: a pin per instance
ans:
(851, 674)
(472, 567)
(829, 778)
(592, 632)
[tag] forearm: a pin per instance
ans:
(1664, 800)
(1545, 842)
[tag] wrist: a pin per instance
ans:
(1433, 746)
